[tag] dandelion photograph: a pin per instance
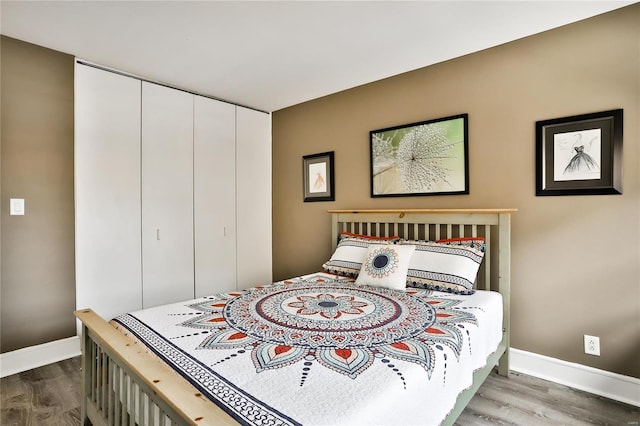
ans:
(425, 158)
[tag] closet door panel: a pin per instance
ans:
(107, 192)
(167, 195)
(253, 198)
(214, 196)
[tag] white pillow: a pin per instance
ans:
(447, 265)
(386, 265)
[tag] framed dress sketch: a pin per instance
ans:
(580, 155)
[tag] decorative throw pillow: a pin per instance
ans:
(446, 265)
(385, 265)
(347, 258)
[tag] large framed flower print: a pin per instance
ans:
(425, 158)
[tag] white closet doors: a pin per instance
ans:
(173, 194)
(253, 204)
(214, 147)
(167, 195)
(107, 192)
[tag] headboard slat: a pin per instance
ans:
(487, 258)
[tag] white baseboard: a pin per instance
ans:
(36, 356)
(600, 382)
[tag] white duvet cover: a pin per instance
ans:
(319, 350)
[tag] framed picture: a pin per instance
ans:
(317, 172)
(425, 158)
(580, 155)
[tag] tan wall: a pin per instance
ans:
(38, 274)
(576, 259)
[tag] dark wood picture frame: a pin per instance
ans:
(580, 155)
(318, 177)
(425, 158)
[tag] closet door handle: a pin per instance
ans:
(158, 234)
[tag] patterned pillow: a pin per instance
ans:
(446, 265)
(385, 265)
(347, 258)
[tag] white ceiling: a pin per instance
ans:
(270, 55)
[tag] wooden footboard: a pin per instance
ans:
(123, 385)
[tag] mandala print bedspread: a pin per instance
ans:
(317, 350)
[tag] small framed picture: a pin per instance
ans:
(580, 155)
(317, 172)
(425, 158)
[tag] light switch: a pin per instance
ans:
(16, 207)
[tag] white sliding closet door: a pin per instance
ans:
(107, 192)
(253, 197)
(167, 195)
(214, 146)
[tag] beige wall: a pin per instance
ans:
(576, 259)
(38, 278)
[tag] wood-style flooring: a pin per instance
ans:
(50, 396)
(526, 400)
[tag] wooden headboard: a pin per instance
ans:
(436, 224)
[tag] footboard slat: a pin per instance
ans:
(133, 410)
(110, 387)
(117, 408)
(93, 372)
(102, 388)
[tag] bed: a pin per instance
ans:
(325, 348)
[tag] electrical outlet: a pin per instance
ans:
(591, 345)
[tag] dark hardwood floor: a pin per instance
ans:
(50, 396)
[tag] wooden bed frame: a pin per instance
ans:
(123, 385)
